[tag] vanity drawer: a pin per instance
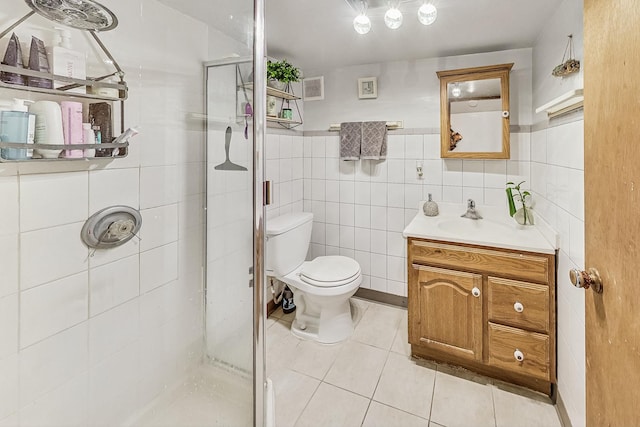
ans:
(507, 345)
(530, 267)
(521, 304)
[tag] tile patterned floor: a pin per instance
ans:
(370, 380)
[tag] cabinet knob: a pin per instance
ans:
(475, 292)
(518, 355)
(518, 307)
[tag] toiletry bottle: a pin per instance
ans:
(72, 127)
(38, 61)
(100, 117)
(88, 137)
(48, 127)
(13, 58)
(14, 127)
(68, 62)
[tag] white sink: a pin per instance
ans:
(469, 228)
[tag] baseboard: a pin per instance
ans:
(562, 412)
(382, 297)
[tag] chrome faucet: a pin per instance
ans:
(471, 212)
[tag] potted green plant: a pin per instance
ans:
(281, 73)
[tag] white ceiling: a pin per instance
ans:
(315, 34)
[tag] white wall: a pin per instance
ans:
(410, 90)
(89, 340)
(360, 208)
(557, 170)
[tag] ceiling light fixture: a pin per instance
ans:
(427, 14)
(362, 24)
(393, 18)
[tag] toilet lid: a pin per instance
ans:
(330, 271)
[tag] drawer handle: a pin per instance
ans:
(518, 355)
(518, 307)
(475, 292)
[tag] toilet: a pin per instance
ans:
(321, 287)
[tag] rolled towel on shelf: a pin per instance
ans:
(374, 141)
(350, 140)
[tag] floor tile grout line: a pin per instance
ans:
(366, 413)
(307, 404)
(493, 403)
(433, 392)
(398, 409)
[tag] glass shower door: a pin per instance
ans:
(234, 318)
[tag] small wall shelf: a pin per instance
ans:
(566, 103)
(286, 97)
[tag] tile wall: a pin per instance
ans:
(285, 169)
(361, 208)
(557, 170)
(88, 339)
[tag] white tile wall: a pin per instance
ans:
(70, 341)
(286, 168)
(557, 169)
(48, 309)
(365, 205)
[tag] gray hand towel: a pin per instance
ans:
(350, 140)
(374, 141)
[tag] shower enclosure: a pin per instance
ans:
(168, 329)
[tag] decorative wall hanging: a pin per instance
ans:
(569, 66)
(368, 87)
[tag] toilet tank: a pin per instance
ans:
(288, 238)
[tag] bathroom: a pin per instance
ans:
(165, 329)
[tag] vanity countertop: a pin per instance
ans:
(496, 229)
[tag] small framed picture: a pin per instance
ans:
(313, 88)
(367, 87)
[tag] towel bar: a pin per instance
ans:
(390, 126)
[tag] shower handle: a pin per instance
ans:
(267, 191)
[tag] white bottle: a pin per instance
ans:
(88, 137)
(48, 127)
(67, 62)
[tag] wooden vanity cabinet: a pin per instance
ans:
(489, 310)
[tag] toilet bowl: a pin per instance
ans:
(321, 287)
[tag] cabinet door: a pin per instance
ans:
(446, 311)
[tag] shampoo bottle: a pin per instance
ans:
(17, 125)
(48, 127)
(38, 61)
(88, 137)
(67, 62)
(72, 127)
(13, 58)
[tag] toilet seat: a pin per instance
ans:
(330, 271)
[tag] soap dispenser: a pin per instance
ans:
(430, 208)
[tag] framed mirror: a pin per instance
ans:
(474, 112)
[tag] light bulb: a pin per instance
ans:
(393, 18)
(456, 91)
(427, 14)
(362, 24)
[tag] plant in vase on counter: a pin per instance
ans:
(524, 215)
